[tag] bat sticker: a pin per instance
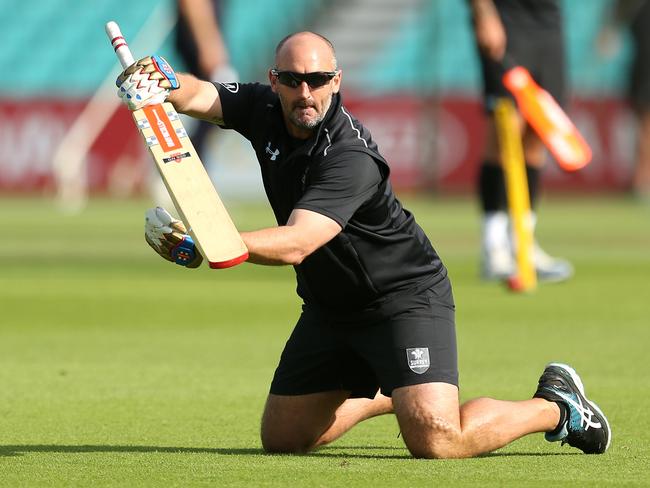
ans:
(174, 158)
(162, 128)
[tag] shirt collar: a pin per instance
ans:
(312, 143)
(326, 122)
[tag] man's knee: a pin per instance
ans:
(281, 439)
(272, 445)
(431, 437)
(429, 419)
(294, 424)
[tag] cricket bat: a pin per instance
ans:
(548, 120)
(184, 176)
(514, 167)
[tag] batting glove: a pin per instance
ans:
(146, 82)
(168, 237)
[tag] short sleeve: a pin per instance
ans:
(240, 103)
(337, 188)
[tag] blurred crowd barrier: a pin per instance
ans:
(410, 75)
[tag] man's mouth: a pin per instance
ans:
(304, 108)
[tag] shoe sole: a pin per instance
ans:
(578, 382)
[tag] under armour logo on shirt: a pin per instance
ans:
(231, 87)
(274, 154)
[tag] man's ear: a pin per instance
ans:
(274, 81)
(336, 82)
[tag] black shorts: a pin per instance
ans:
(541, 52)
(412, 342)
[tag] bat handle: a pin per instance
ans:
(120, 46)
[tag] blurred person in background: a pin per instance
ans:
(635, 15)
(201, 46)
(200, 43)
(527, 33)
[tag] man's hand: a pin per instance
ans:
(168, 237)
(146, 82)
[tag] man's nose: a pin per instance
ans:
(304, 89)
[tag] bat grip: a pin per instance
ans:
(119, 44)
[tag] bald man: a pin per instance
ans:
(376, 334)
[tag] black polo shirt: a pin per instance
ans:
(381, 252)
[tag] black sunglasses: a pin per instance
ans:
(313, 80)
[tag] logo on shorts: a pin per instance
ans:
(418, 359)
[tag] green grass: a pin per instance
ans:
(119, 369)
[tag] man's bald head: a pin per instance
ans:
(305, 79)
(307, 49)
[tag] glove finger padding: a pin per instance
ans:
(168, 237)
(147, 81)
(159, 250)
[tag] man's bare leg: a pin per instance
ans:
(431, 420)
(353, 411)
(433, 424)
(296, 424)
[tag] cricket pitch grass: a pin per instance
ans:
(120, 369)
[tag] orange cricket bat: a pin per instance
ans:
(185, 178)
(549, 121)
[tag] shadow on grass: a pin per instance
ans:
(530, 454)
(339, 451)
(326, 452)
(19, 450)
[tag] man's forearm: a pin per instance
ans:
(305, 232)
(275, 246)
(196, 98)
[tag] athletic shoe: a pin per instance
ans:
(497, 264)
(550, 269)
(586, 426)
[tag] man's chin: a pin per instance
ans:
(305, 122)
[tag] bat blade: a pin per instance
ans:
(189, 186)
(183, 174)
(549, 121)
